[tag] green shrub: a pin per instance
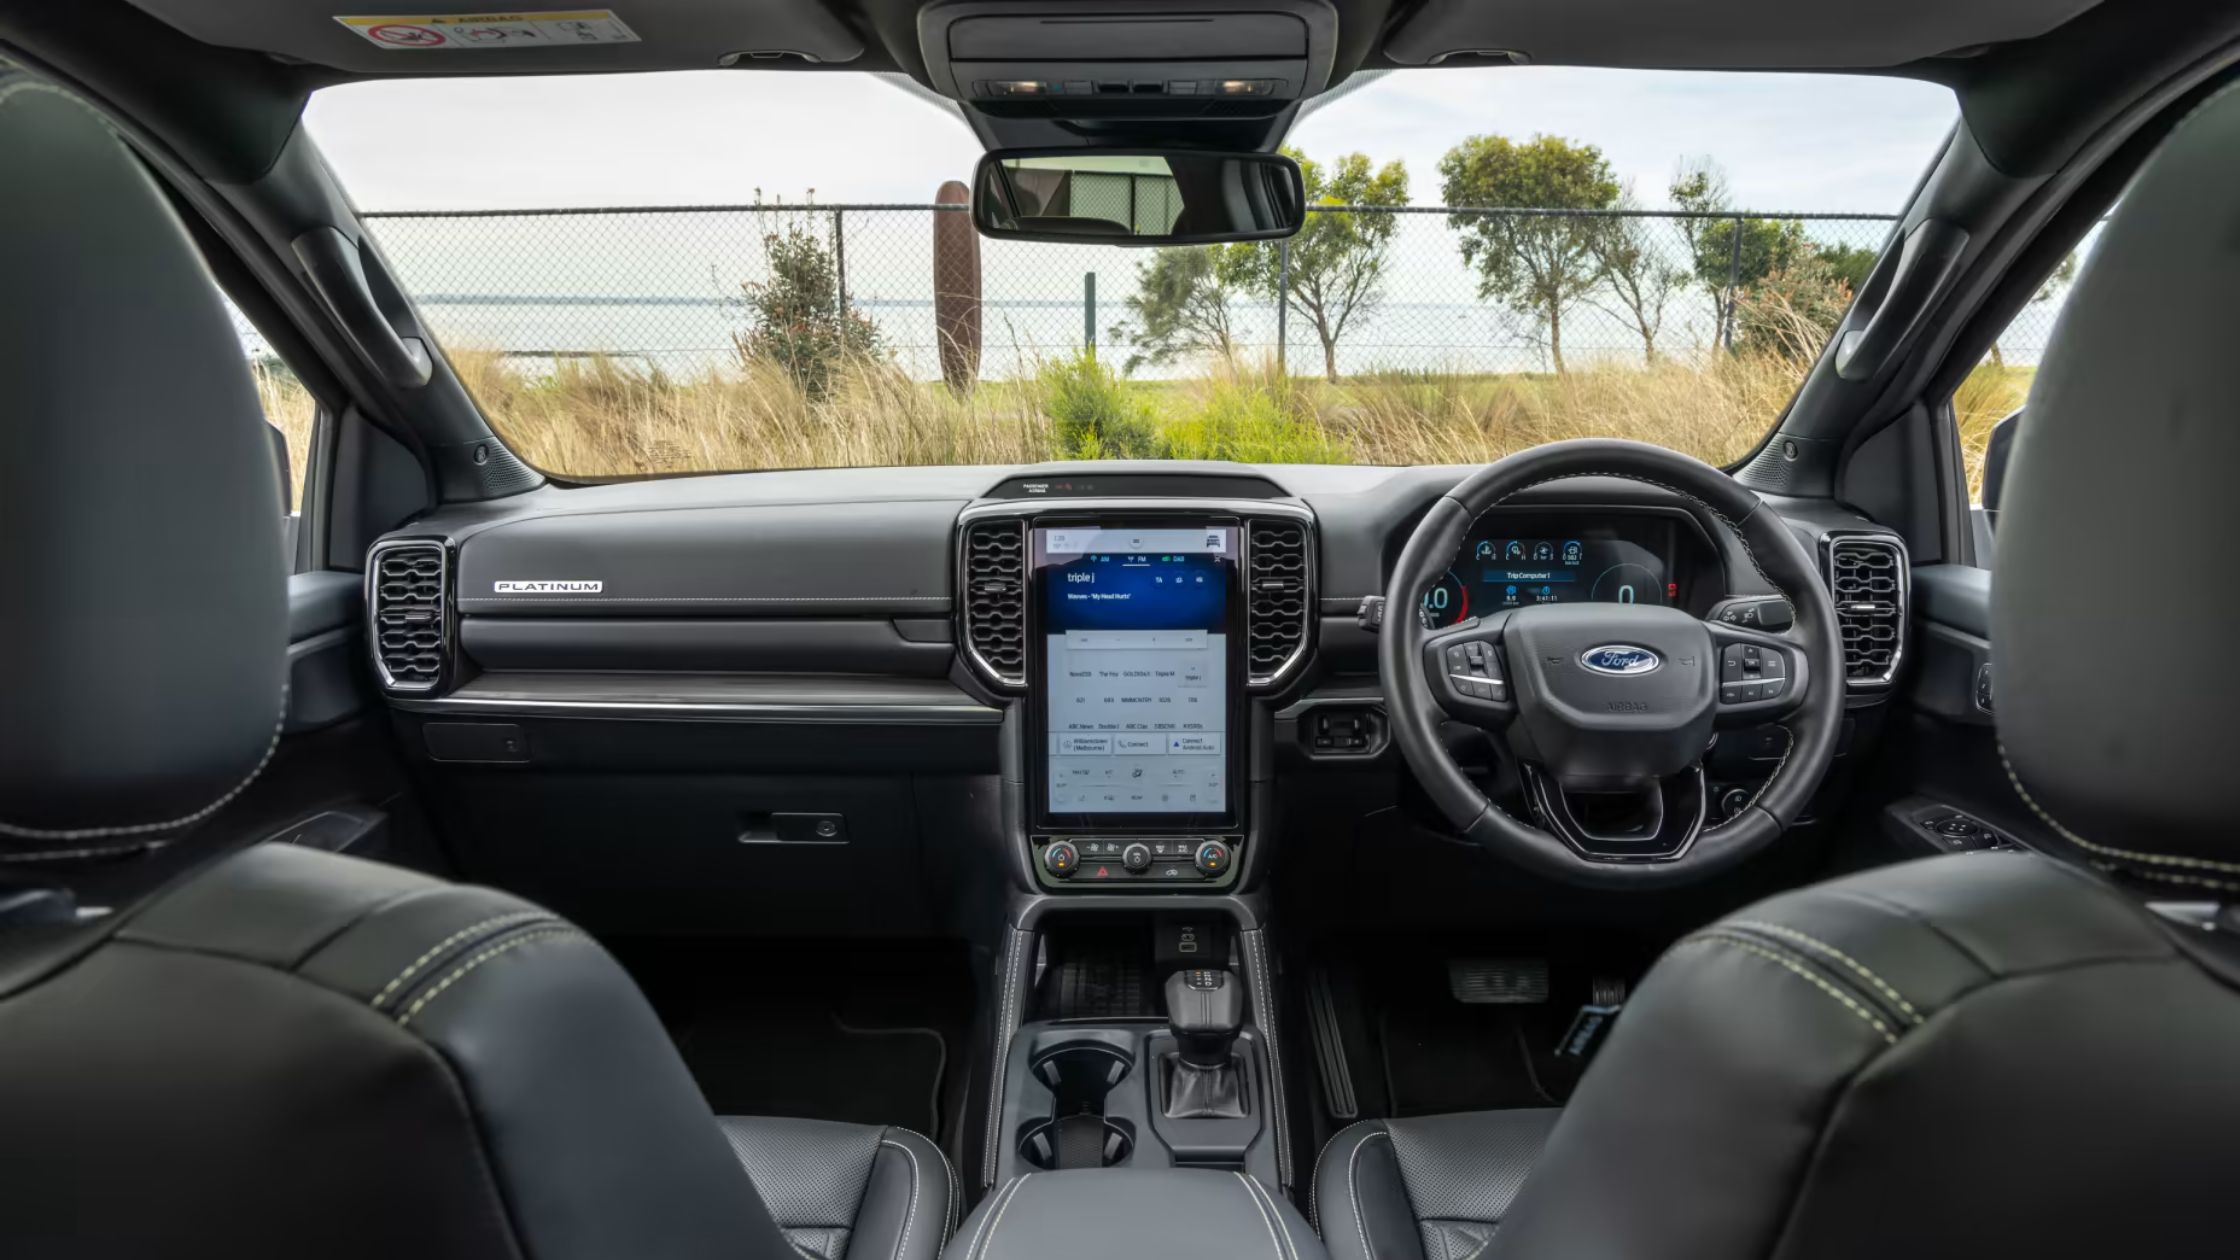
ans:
(1253, 420)
(800, 324)
(1094, 415)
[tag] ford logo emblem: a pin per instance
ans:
(1620, 659)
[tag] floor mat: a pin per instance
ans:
(809, 1063)
(865, 1034)
(1468, 1058)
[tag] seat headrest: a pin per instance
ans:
(143, 589)
(2118, 711)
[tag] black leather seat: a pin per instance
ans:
(284, 1053)
(1991, 1055)
(1430, 1186)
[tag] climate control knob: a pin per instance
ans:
(1136, 857)
(1061, 859)
(1212, 858)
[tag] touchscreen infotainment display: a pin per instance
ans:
(1135, 661)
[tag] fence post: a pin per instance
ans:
(1089, 312)
(840, 263)
(1283, 306)
(1734, 284)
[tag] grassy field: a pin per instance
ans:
(288, 405)
(600, 417)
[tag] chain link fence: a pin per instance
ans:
(1434, 290)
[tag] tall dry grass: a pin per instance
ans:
(1990, 394)
(291, 408)
(601, 417)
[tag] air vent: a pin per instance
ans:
(1867, 579)
(993, 579)
(1279, 612)
(407, 601)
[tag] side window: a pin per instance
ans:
(1995, 391)
(289, 409)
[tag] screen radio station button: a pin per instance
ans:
(1199, 742)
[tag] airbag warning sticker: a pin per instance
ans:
(492, 30)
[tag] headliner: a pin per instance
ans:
(882, 34)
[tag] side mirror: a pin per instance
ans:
(1136, 197)
(1996, 453)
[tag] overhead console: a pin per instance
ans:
(1152, 58)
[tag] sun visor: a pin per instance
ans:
(422, 38)
(1710, 34)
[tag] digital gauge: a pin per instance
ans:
(1627, 584)
(1447, 602)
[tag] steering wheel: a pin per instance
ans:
(1609, 709)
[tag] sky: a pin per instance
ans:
(1787, 142)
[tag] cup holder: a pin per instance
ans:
(1077, 1141)
(1077, 1133)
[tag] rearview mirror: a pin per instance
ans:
(1099, 196)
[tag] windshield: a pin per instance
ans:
(645, 274)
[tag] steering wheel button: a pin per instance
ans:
(1774, 665)
(1735, 693)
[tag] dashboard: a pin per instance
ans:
(816, 700)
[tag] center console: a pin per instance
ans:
(1127, 1062)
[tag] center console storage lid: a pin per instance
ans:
(1133, 1213)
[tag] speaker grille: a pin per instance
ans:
(1867, 579)
(408, 605)
(993, 573)
(1278, 618)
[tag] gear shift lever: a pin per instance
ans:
(1205, 1008)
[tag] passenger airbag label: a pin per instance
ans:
(447, 32)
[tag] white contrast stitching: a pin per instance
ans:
(389, 990)
(515, 942)
(910, 1213)
(989, 1161)
(1479, 1250)
(1262, 1193)
(972, 1248)
(1353, 1188)
(1813, 942)
(1256, 956)
(990, 1245)
(1271, 1225)
(1788, 964)
(279, 724)
(949, 1174)
(2124, 855)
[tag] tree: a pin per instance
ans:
(1724, 265)
(1181, 304)
(2063, 276)
(1337, 260)
(1537, 265)
(1636, 274)
(1851, 264)
(800, 322)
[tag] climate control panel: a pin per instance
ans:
(1139, 862)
